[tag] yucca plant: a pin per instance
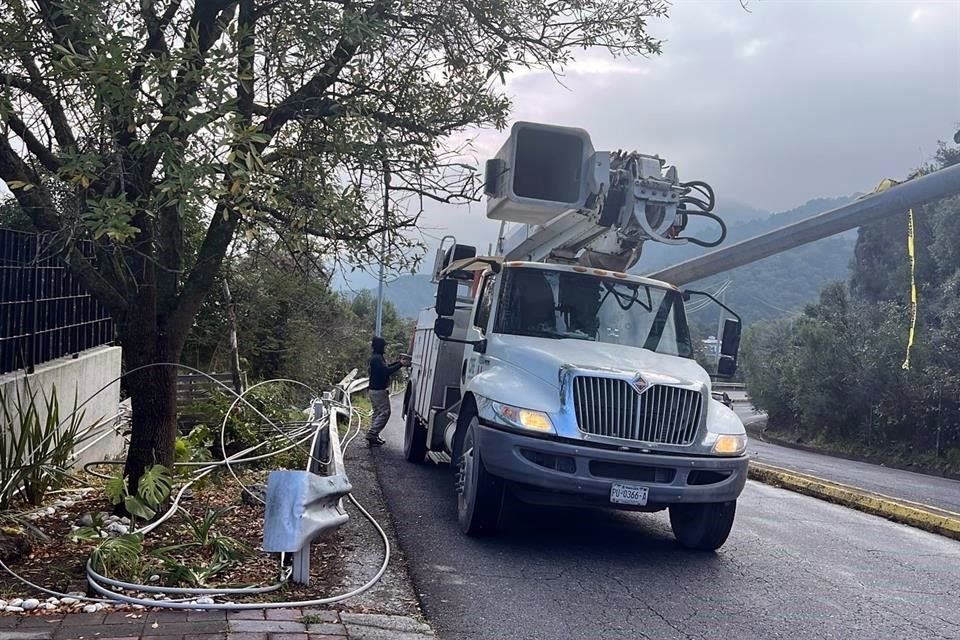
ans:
(35, 446)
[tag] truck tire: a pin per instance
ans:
(414, 437)
(479, 494)
(702, 526)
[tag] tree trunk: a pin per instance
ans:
(152, 387)
(153, 396)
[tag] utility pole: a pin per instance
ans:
(234, 347)
(383, 235)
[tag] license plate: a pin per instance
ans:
(628, 494)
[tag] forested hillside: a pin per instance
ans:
(837, 372)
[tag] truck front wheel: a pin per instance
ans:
(414, 435)
(479, 494)
(702, 526)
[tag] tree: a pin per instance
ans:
(166, 130)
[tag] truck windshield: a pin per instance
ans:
(560, 304)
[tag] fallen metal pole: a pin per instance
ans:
(940, 184)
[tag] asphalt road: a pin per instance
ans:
(794, 567)
(942, 493)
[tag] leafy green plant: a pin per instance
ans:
(195, 446)
(224, 548)
(152, 491)
(35, 448)
(120, 556)
(174, 573)
(244, 426)
(214, 552)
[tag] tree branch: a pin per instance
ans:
(209, 259)
(62, 27)
(453, 198)
(155, 44)
(310, 96)
(207, 27)
(35, 87)
(34, 145)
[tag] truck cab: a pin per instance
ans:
(572, 386)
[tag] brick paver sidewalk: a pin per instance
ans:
(272, 624)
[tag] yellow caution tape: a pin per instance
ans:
(913, 287)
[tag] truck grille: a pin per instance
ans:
(614, 408)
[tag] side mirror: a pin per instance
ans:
(447, 297)
(730, 345)
(443, 327)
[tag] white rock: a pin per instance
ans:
(10, 609)
(68, 601)
(125, 520)
(86, 520)
(16, 602)
(3, 604)
(154, 578)
(111, 519)
(50, 511)
(205, 600)
(30, 604)
(116, 527)
(53, 600)
(90, 608)
(47, 606)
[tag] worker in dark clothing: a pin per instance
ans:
(379, 373)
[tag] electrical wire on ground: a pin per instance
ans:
(112, 589)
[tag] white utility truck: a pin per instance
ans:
(549, 372)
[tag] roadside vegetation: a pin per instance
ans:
(834, 375)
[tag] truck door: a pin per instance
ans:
(473, 361)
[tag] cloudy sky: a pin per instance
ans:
(775, 106)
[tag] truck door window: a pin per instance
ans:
(485, 303)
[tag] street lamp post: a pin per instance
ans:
(378, 328)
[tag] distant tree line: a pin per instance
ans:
(290, 324)
(835, 374)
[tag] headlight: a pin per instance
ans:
(523, 418)
(728, 445)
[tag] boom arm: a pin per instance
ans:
(624, 200)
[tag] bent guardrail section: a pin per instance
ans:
(304, 505)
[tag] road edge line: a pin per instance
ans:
(930, 519)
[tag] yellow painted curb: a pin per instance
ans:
(945, 523)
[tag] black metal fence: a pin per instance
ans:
(45, 313)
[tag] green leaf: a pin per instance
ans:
(118, 555)
(136, 508)
(116, 490)
(154, 487)
(83, 534)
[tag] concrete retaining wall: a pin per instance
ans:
(83, 375)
